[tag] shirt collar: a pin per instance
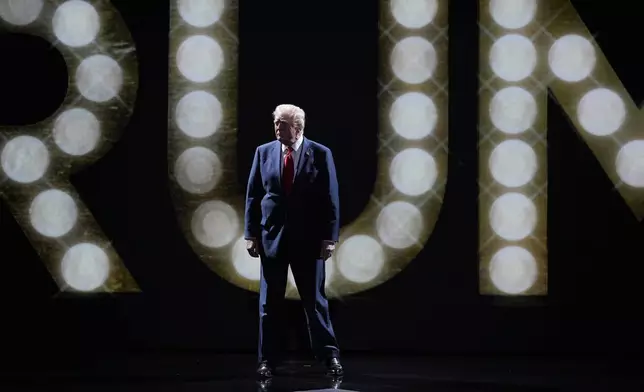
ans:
(296, 145)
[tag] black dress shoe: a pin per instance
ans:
(264, 370)
(334, 367)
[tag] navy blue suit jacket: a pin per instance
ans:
(305, 218)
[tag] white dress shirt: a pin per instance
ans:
(297, 151)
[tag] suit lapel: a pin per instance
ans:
(305, 154)
(277, 162)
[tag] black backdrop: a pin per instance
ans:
(325, 62)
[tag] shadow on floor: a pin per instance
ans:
(222, 373)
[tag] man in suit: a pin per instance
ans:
(292, 217)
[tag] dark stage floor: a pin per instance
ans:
(236, 373)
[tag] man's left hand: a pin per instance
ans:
(328, 247)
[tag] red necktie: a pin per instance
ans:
(288, 172)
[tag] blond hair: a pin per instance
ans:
(294, 113)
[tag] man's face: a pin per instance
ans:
(285, 132)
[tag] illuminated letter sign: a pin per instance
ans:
(412, 155)
(528, 47)
(36, 160)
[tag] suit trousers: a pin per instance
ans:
(309, 277)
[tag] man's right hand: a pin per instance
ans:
(252, 246)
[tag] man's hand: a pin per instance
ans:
(252, 246)
(328, 247)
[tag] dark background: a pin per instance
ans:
(323, 58)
